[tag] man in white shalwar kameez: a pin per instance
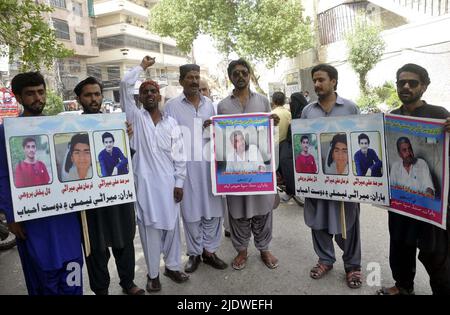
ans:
(159, 171)
(202, 212)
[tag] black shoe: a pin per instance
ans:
(192, 263)
(227, 233)
(153, 285)
(134, 290)
(177, 276)
(101, 292)
(214, 261)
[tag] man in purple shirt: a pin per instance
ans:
(49, 248)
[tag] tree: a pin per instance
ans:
(54, 104)
(25, 31)
(366, 47)
(385, 95)
(257, 30)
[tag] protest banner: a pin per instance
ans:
(243, 155)
(62, 164)
(342, 158)
(418, 160)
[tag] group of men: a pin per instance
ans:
(173, 179)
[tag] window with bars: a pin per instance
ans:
(94, 41)
(120, 41)
(58, 3)
(61, 29)
(80, 38)
(94, 71)
(336, 22)
(172, 50)
(113, 73)
(74, 65)
(77, 8)
(61, 66)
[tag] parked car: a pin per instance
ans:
(71, 105)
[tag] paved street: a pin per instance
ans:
(291, 244)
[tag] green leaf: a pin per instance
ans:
(365, 49)
(54, 104)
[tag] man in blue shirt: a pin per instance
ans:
(49, 248)
(366, 160)
(111, 159)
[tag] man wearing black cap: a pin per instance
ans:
(202, 212)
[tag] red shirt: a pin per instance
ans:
(305, 164)
(31, 174)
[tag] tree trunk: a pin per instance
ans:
(363, 83)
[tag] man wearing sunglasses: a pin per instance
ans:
(251, 213)
(408, 234)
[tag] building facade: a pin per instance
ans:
(123, 40)
(413, 30)
(74, 25)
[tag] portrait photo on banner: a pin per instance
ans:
(417, 150)
(111, 153)
(242, 154)
(31, 160)
(334, 148)
(366, 154)
(306, 153)
(73, 156)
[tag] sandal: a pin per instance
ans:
(269, 260)
(319, 270)
(239, 262)
(395, 291)
(354, 280)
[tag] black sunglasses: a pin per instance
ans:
(411, 83)
(237, 73)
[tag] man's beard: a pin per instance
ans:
(409, 99)
(241, 85)
(34, 110)
(410, 161)
(151, 106)
(88, 109)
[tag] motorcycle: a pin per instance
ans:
(281, 188)
(7, 239)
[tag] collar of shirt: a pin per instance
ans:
(251, 93)
(339, 102)
(185, 100)
(281, 108)
(418, 109)
(146, 112)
